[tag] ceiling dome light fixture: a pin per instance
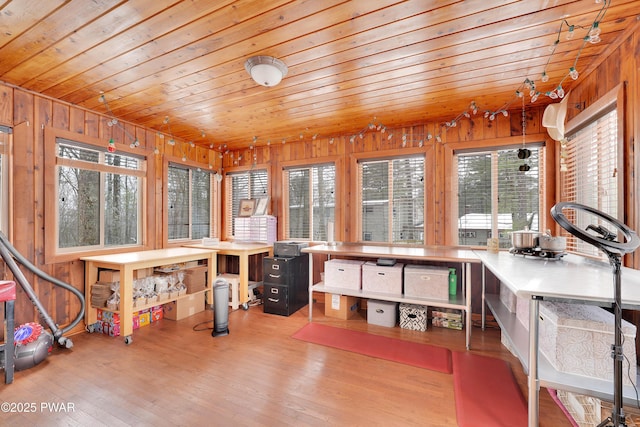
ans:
(266, 70)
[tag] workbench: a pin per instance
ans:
(571, 279)
(126, 264)
(243, 250)
(423, 254)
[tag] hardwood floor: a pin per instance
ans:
(176, 373)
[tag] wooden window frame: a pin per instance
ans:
(311, 163)
(215, 210)
(429, 190)
(227, 218)
(51, 161)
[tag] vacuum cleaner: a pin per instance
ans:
(220, 308)
(32, 342)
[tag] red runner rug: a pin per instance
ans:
(486, 392)
(410, 353)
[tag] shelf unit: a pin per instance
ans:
(458, 302)
(518, 338)
(464, 257)
(126, 264)
(572, 279)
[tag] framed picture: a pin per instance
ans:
(262, 204)
(247, 207)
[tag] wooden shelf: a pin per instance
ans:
(128, 262)
(154, 304)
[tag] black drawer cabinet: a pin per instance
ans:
(286, 284)
(276, 299)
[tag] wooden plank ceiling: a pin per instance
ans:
(178, 66)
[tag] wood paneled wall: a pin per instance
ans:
(476, 131)
(29, 113)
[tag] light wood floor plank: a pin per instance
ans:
(174, 374)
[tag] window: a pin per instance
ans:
(99, 197)
(189, 196)
(310, 201)
(495, 196)
(591, 168)
(243, 185)
(392, 200)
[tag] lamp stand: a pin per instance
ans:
(605, 240)
(617, 418)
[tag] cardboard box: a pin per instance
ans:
(382, 313)
(184, 307)
(340, 306)
(141, 273)
(423, 281)
(447, 313)
(195, 279)
(343, 273)
(383, 279)
(107, 328)
(442, 322)
(145, 318)
(109, 276)
(585, 410)
(157, 313)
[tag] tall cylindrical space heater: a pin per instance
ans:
(220, 308)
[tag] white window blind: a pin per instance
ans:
(178, 203)
(201, 204)
(496, 195)
(310, 201)
(590, 174)
(189, 194)
(391, 198)
(243, 185)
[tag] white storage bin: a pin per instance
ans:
(384, 279)
(413, 316)
(423, 281)
(343, 273)
(577, 339)
(508, 298)
(522, 311)
(261, 228)
(382, 313)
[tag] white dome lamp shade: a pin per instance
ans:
(554, 117)
(266, 70)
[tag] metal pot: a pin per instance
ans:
(524, 239)
(548, 242)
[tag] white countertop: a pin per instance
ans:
(572, 277)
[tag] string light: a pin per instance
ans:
(573, 73)
(115, 122)
(528, 85)
(594, 33)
